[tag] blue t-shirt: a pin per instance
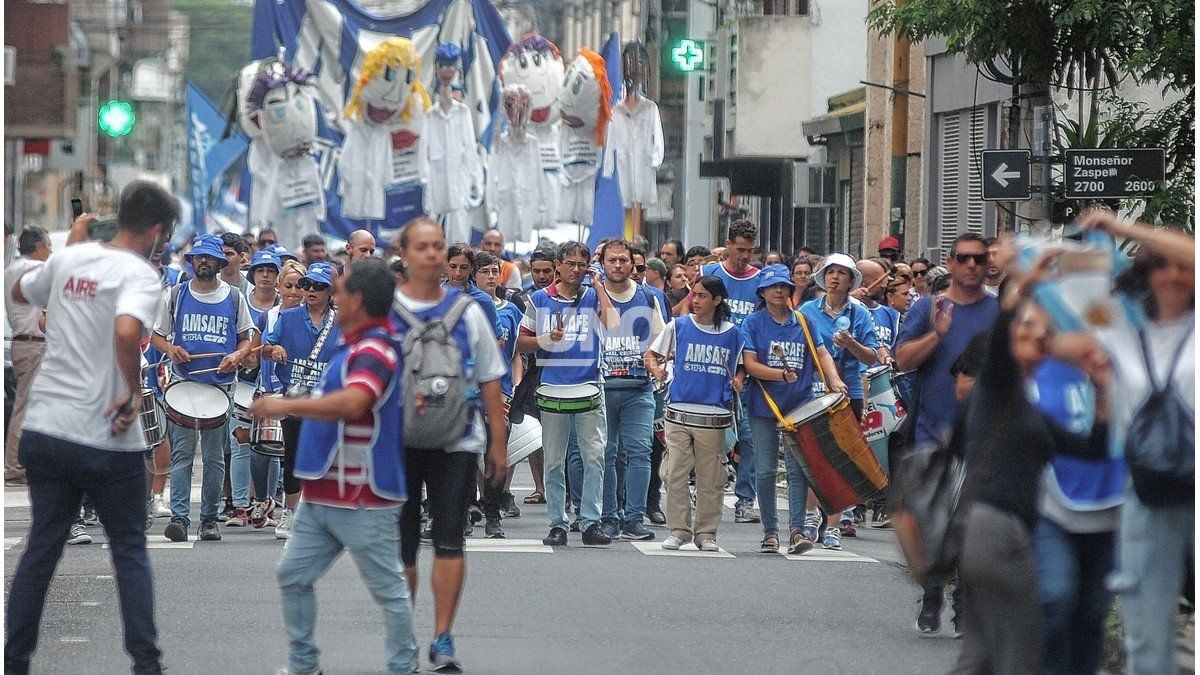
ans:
(743, 293)
(761, 333)
(853, 318)
(509, 318)
(937, 406)
(887, 324)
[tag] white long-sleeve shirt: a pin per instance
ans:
(516, 186)
(454, 166)
(635, 140)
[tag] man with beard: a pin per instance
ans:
(208, 318)
(994, 276)
(541, 271)
(314, 249)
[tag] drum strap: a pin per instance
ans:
(784, 423)
(324, 335)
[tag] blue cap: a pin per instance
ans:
(775, 274)
(322, 272)
(264, 258)
(447, 52)
(283, 254)
(210, 245)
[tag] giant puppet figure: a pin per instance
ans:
(384, 150)
(516, 182)
(636, 137)
(455, 172)
(534, 61)
(586, 111)
(277, 109)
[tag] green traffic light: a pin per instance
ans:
(116, 118)
(687, 55)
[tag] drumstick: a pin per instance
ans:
(777, 350)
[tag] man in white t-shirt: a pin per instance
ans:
(28, 341)
(204, 328)
(80, 432)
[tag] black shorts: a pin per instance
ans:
(449, 478)
(291, 443)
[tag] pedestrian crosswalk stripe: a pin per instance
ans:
(829, 555)
(688, 550)
(11, 542)
(507, 546)
(159, 541)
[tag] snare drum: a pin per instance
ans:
(883, 411)
(825, 438)
(266, 434)
(699, 416)
(154, 424)
(524, 439)
(568, 399)
(195, 405)
(243, 396)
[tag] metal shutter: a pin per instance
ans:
(949, 159)
(974, 205)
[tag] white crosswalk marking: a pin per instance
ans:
(507, 546)
(159, 541)
(827, 555)
(688, 550)
(11, 542)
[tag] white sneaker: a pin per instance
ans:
(158, 507)
(709, 545)
(79, 535)
(672, 543)
(284, 529)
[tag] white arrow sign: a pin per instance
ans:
(1002, 175)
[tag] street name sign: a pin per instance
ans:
(1006, 175)
(1104, 173)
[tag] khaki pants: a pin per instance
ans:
(26, 356)
(704, 451)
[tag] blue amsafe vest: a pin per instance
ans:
(887, 324)
(704, 364)
(743, 293)
(624, 347)
(762, 334)
(579, 362)
(319, 441)
(509, 320)
(296, 338)
(203, 328)
(661, 298)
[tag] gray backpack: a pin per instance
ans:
(436, 409)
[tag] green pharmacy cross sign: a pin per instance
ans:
(688, 55)
(116, 118)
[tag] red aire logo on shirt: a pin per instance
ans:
(80, 289)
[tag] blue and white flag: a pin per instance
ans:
(209, 157)
(329, 38)
(608, 219)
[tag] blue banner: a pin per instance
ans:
(209, 157)
(329, 38)
(609, 217)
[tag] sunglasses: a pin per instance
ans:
(306, 284)
(920, 273)
(979, 258)
(639, 268)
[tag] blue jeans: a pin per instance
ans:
(590, 428)
(59, 473)
(183, 453)
(372, 536)
(630, 415)
(264, 475)
(574, 471)
(239, 466)
(766, 458)
(1071, 572)
(744, 487)
(1153, 548)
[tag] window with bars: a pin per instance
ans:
(962, 136)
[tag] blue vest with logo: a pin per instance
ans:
(661, 299)
(762, 334)
(887, 324)
(743, 293)
(509, 317)
(624, 347)
(704, 364)
(579, 361)
(298, 340)
(203, 328)
(319, 441)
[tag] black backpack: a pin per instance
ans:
(1159, 445)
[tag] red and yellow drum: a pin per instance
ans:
(825, 438)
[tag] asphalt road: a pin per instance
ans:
(525, 608)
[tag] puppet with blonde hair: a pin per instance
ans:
(585, 106)
(455, 169)
(384, 150)
(516, 185)
(534, 61)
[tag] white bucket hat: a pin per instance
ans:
(842, 260)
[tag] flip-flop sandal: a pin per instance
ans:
(535, 498)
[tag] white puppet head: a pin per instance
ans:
(535, 62)
(391, 74)
(285, 109)
(248, 116)
(585, 100)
